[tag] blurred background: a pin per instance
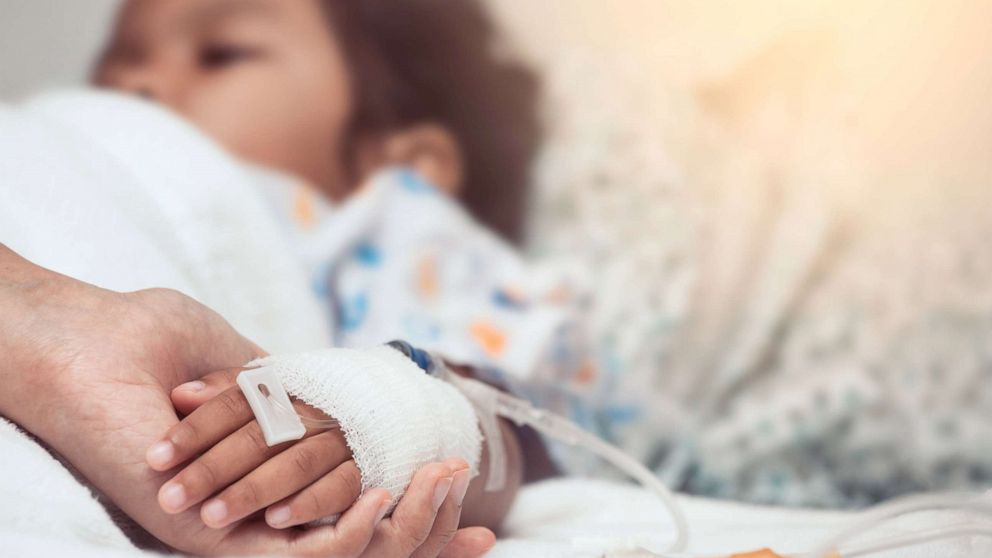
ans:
(784, 206)
(916, 77)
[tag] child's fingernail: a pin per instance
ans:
(173, 496)
(192, 386)
(278, 515)
(460, 486)
(441, 491)
(383, 508)
(160, 454)
(214, 512)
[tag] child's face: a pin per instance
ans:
(264, 77)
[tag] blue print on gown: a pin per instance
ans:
(368, 254)
(413, 182)
(352, 311)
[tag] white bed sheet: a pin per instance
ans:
(584, 517)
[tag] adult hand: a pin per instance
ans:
(89, 372)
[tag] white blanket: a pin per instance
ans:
(119, 193)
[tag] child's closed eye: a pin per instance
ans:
(222, 55)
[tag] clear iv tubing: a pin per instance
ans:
(329, 423)
(560, 428)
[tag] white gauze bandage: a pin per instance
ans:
(395, 418)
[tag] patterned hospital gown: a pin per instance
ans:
(782, 385)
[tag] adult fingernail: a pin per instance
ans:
(441, 491)
(160, 454)
(460, 486)
(278, 515)
(173, 496)
(214, 512)
(192, 386)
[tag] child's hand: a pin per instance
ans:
(306, 479)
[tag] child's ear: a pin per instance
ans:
(432, 151)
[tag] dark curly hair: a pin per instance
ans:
(436, 60)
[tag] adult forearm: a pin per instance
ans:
(13, 268)
(21, 283)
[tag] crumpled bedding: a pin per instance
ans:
(779, 328)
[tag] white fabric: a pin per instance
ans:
(574, 517)
(45, 511)
(394, 417)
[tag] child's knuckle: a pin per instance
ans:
(233, 402)
(305, 460)
(310, 506)
(444, 532)
(184, 435)
(255, 437)
(200, 477)
(409, 531)
(351, 480)
(249, 493)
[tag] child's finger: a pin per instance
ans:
(203, 428)
(227, 461)
(331, 494)
(446, 523)
(286, 473)
(413, 518)
(187, 397)
(350, 536)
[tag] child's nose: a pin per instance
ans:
(138, 81)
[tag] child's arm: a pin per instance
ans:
(488, 509)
